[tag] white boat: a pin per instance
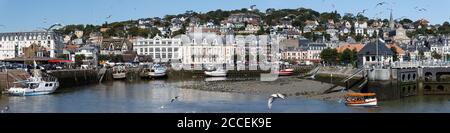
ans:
(157, 71)
(120, 75)
(361, 99)
(35, 85)
(216, 73)
(119, 72)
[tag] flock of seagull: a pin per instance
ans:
(270, 100)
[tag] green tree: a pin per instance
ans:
(116, 58)
(63, 56)
(329, 55)
(103, 57)
(405, 21)
(421, 55)
(444, 29)
(79, 59)
(354, 56)
(359, 38)
(435, 55)
(346, 56)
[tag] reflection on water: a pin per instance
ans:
(149, 96)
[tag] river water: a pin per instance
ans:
(155, 96)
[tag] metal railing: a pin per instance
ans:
(406, 64)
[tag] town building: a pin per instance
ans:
(159, 49)
(115, 46)
(12, 44)
(206, 48)
(313, 50)
(89, 52)
(351, 46)
(298, 55)
(375, 53)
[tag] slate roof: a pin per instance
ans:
(371, 49)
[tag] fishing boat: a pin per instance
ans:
(216, 73)
(157, 71)
(119, 72)
(361, 99)
(145, 71)
(35, 85)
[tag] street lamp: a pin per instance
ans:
(49, 28)
(52, 26)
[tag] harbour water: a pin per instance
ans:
(154, 96)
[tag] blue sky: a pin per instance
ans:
(28, 15)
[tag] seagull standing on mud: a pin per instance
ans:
(273, 97)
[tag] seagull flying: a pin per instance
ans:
(273, 97)
(422, 9)
(380, 4)
(362, 12)
(108, 17)
(173, 99)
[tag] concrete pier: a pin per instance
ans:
(8, 77)
(75, 77)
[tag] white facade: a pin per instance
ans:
(219, 50)
(12, 44)
(206, 49)
(297, 55)
(159, 49)
(371, 59)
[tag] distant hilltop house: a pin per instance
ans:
(248, 23)
(12, 44)
(360, 28)
(399, 35)
(103, 29)
(239, 19)
(310, 25)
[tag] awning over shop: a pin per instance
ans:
(59, 61)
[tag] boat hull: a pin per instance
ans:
(31, 92)
(215, 74)
(366, 103)
(156, 75)
(119, 75)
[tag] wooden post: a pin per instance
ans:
(7, 81)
